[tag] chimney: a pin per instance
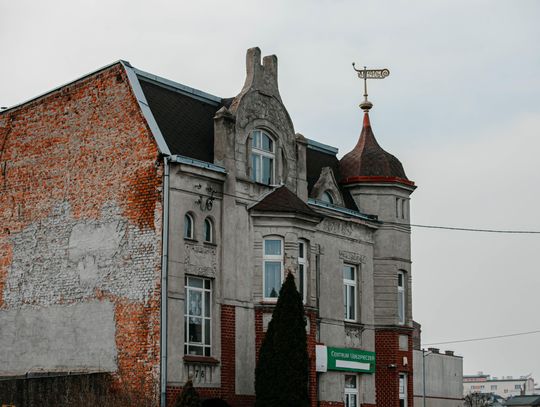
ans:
(434, 350)
(449, 352)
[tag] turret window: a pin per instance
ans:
(401, 297)
(262, 157)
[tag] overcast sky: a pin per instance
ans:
(460, 109)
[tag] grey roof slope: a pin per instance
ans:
(185, 120)
(282, 199)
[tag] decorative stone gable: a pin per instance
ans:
(327, 183)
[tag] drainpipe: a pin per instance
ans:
(164, 274)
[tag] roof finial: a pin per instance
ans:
(366, 74)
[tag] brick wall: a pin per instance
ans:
(79, 164)
(386, 377)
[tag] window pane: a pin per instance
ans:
(301, 280)
(195, 303)
(188, 227)
(345, 300)
(207, 230)
(195, 330)
(301, 250)
(401, 306)
(272, 247)
(326, 197)
(348, 273)
(267, 143)
(256, 139)
(272, 278)
(195, 350)
(195, 282)
(207, 284)
(207, 332)
(255, 167)
(400, 279)
(207, 304)
(267, 170)
(206, 351)
(352, 303)
(350, 382)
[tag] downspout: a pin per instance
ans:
(164, 289)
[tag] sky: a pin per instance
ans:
(460, 109)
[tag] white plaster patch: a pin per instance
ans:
(61, 259)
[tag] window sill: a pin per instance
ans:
(190, 240)
(203, 360)
(210, 244)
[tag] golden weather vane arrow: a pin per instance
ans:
(366, 74)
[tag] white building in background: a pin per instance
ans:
(504, 386)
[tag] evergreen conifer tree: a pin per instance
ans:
(189, 397)
(281, 376)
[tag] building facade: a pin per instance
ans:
(442, 376)
(505, 386)
(147, 228)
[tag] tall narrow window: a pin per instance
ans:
(403, 390)
(188, 226)
(401, 297)
(349, 291)
(262, 157)
(302, 269)
(351, 391)
(198, 316)
(208, 231)
(273, 267)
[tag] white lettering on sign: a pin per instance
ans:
(352, 365)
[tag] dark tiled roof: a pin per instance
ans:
(523, 401)
(283, 199)
(316, 161)
(369, 159)
(186, 122)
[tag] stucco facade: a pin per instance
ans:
(167, 193)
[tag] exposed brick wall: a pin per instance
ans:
(83, 157)
(331, 404)
(228, 352)
(387, 378)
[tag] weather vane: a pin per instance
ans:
(366, 74)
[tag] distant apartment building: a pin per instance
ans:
(504, 386)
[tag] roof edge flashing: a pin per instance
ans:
(198, 163)
(323, 148)
(346, 211)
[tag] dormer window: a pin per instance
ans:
(262, 157)
(327, 197)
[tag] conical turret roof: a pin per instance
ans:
(368, 161)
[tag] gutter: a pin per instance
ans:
(164, 287)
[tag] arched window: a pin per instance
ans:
(262, 157)
(208, 230)
(327, 197)
(188, 226)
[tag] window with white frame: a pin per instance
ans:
(272, 267)
(351, 391)
(262, 157)
(188, 226)
(302, 269)
(401, 297)
(208, 230)
(403, 390)
(198, 316)
(349, 291)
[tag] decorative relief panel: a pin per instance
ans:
(337, 227)
(352, 257)
(200, 260)
(353, 337)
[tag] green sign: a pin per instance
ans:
(351, 360)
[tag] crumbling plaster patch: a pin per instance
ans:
(61, 259)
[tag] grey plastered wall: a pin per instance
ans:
(444, 379)
(77, 337)
(189, 186)
(345, 241)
